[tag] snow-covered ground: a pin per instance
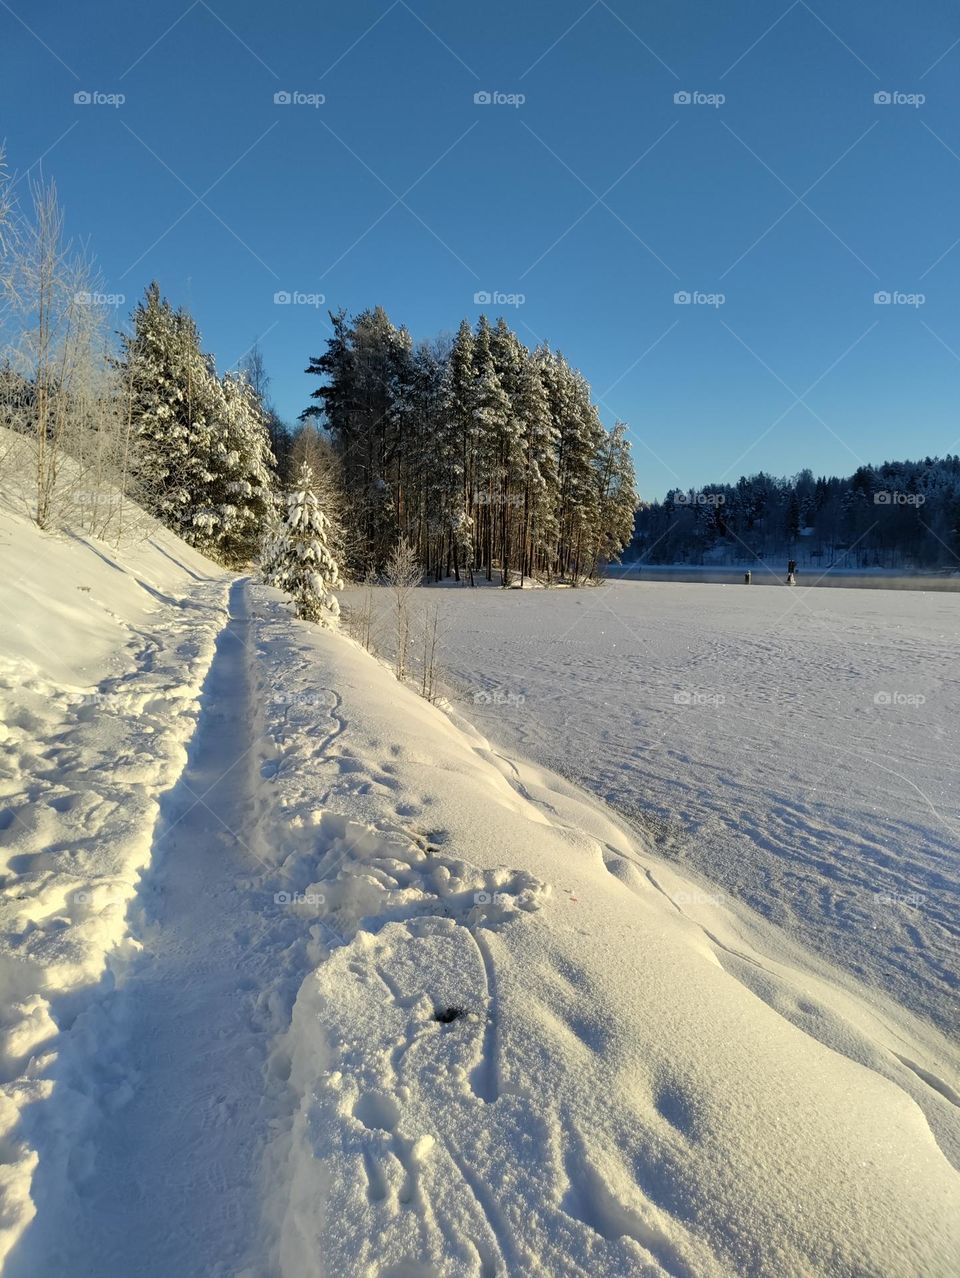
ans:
(387, 1000)
(101, 663)
(798, 748)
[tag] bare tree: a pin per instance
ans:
(6, 222)
(255, 370)
(403, 576)
(362, 618)
(430, 648)
(60, 389)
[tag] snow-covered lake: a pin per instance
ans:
(798, 748)
(773, 573)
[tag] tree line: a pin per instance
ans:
(899, 514)
(480, 453)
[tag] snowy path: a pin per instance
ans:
(172, 1187)
(408, 1008)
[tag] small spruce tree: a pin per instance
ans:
(301, 562)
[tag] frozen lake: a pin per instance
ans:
(799, 748)
(774, 574)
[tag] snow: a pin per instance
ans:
(102, 660)
(797, 748)
(615, 1099)
(388, 1000)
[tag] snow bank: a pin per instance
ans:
(527, 1047)
(102, 656)
(521, 1044)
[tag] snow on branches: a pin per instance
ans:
(298, 558)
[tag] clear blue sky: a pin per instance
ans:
(598, 198)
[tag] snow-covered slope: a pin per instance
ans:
(393, 1004)
(102, 657)
(613, 1097)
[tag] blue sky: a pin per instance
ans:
(598, 198)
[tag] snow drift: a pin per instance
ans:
(402, 1006)
(528, 1048)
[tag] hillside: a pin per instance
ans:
(308, 978)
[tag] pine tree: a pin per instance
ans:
(460, 422)
(309, 444)
(509, 355)
(539, 446)
(491, 413)
(301, 563)
(435, 463)
(364, 406)
(616, 498)
(272, 540)
(243, 474)
(173, 395)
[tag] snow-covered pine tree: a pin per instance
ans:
(309, 444)
(173, 394)
(302, 563)
(366, 367)
(272, 540)
(241, 475)
(509, 354)
(538, 531)
(580, 436)
(491, 413)
(460, 424)
(434, 461)
(617, 498)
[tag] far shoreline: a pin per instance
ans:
(767, 574)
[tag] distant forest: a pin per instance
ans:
(897, 515)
